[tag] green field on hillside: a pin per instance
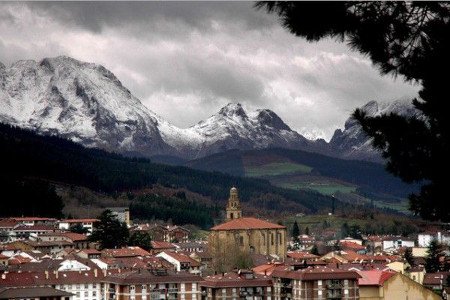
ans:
(276, 169)
(321, 187)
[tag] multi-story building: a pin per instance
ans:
(241, 285)
(315, 283)
(152, 285)
(121, 213)
(88, 224)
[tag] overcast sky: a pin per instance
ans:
(185, 60)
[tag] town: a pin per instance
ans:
(242, 258)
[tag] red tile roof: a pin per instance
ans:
(247, 223)
(182, 258)
(374, 277)
(352, 246)
(125, 252)
(162, 245)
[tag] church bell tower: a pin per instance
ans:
(234, 205)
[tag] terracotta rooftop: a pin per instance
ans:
(247, 223)
(32, 292)
(162, 245)
(182, 258)
(374, 277)
(125, 252)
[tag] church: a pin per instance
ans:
(245, 234)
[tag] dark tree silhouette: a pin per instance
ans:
(141, 239)
(109, 231)
(295, 231)
(432, 263)
(411, 39)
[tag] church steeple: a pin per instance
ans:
(234, 205)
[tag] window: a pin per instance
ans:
(131, 287)
(86, 294)
(241, 240)
(94, 294)
(319, 282)
(264, 239)
(271, 239)
(86, 286)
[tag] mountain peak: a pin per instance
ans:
(233, 109)
(269, 118)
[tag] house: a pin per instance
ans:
(353, 246)
(181, 262)
(89, 253)
(315, 283)
(80, 241)
(424, 239)
(121, 213)
(152, 284)
(394, 243)
(435, 281)
(177, 234)
(417, 274)
(236, 285)
(31, 221)
(88, 224)
(85, 285)
(389, 285)
(50, 247)
(158, 246)
(26, 231)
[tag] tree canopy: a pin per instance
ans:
(411, 39)
(110, 232)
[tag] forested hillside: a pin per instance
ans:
(26, 157)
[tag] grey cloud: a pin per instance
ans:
(95, 16)
(186, 59)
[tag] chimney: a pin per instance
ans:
(46, 274)
(105, 272)
(56, 274)
(3, 276)
(95, 272)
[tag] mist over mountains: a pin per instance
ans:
(87, 103)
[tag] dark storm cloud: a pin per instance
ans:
(95, 16)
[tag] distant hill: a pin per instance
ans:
(300, 170)
(25, 156)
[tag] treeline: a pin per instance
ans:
(179, 210)
(24, 154)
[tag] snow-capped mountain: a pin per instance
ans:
(86, 103)
(353, 143)
(81, 101)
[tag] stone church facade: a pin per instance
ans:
(245, 234)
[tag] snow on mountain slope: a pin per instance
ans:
(353, 143)
(86, 103)
(80, 101)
